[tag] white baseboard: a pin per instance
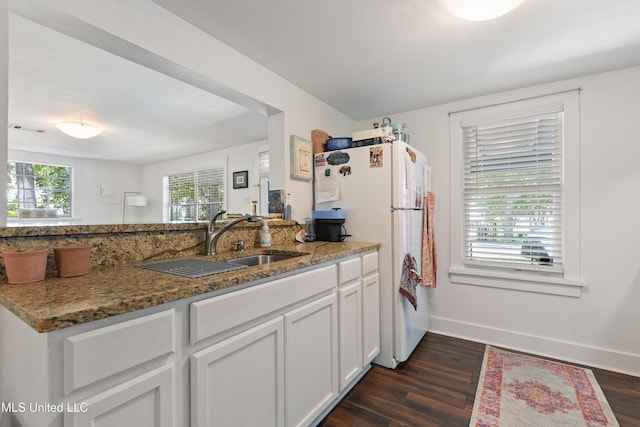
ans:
(611, 360)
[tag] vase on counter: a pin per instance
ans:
(25, 265)
(72, 260)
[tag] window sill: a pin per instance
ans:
(33, 222)
(517, 281)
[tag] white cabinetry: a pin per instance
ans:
(144, 401)
(96, 354)
(350, 312)
(359, 314)
(115, 374)
(224, 314)
(240, 380)
(370, 307)
(278, 353)
(311, 349)
(283, 330)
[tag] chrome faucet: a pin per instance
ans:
(211, 228)
(214, 233)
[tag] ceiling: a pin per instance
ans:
(366, 58)
(372, 58)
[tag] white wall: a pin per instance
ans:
(601, 327)
(4, 103)
(244, 158)
(90, 206)
(239, 158)
(147, 25)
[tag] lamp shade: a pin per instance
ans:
(76, 129)
(136, 200)
(474, 10)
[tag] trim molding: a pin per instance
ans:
(596, 357)
(517, 281)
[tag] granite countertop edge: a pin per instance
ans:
(58, 303)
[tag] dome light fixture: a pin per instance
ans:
(474, 10)
(78, 129)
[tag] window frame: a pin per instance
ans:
(219, 170)
(70, 193)
(509, 164)
(568, 282)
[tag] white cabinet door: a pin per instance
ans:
(370, 317)
(240, 381)
(311, 348)
(145, 401)
(350, 320)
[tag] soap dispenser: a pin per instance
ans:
(265, 235)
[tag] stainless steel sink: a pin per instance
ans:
(195, 267)
(261, 259)
(191, 267)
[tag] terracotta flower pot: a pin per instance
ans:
(72, 260)
(25, 265)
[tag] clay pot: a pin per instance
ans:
(72, 260)
(25, 265)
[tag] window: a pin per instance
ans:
(515, 195)
(263, 163)
(512, 193)
(38, 191)
(196, 196)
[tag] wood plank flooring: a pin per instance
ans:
(437, 385)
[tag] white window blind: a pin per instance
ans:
(196, 196)
(512, 183)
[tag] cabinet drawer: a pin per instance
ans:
(369, 263)
(215, 315)
(349, 270)
(98, 354)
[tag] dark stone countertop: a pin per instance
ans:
(57, 303)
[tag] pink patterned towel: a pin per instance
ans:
(410, 278)
(429, 256)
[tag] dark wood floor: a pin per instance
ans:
(437, 385)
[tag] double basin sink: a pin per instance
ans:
(198, 267)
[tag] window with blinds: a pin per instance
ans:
(196, 196)
(512, 184)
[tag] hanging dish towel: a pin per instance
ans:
(429, 256)
(409, 280)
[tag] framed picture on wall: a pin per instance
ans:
(241, 179)
(301, 158)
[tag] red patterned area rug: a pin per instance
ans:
(520, 391)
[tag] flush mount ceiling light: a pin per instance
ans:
(480, 10)
(77, 129)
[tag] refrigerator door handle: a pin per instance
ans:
(405, 209)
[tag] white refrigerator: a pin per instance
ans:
(382, 187)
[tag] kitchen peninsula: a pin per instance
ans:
(121, 343)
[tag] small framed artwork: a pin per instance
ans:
(241, 179)
(276, 201)
(301, 158)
